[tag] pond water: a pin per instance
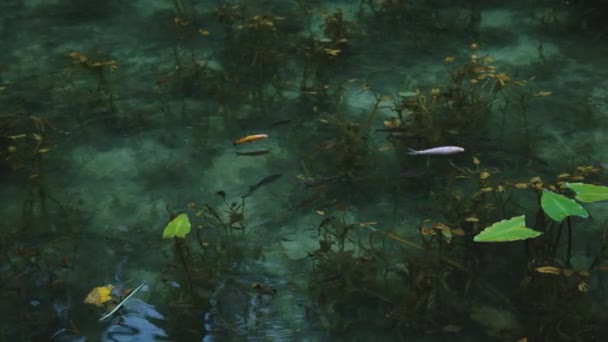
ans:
(275, 170)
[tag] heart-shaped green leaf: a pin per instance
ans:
(513, 229)
(588, 192)
(558, 207)
(178, 227)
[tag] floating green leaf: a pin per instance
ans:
(512, 229)
(558, 207)
(178, 227)
(589, 192)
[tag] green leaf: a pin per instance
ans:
(178, 227)
(513, 229)
(588, 192)
(558, 207)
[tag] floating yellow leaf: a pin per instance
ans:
(458, 231)
(476, 161)
(521, 186)
(474, 46)
(204, 32)
(449, 59)
(563, 175)
(484, 175)
(427, 231)
(520, 82)
(332, 52)
(18, 136)
(542, 93)
(487, 189)
(99, 295)
(583, 286)
(548, 270)
(472, 219)
(502, 78)
(500, 188)
(441, 226)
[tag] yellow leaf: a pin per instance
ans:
(427, 231)
(487, 189)
(475, 161)
(441, 226)
(458, 231)
(548, 270)
(332, 52)
(18, 136)
(99, 295)
(449, 59)
(520, 82)
(484, 175)
(472, 219)
(204, 32)
(542, 93)
(500, 188)
(521, 186)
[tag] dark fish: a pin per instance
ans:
(253, 153)
(266, 180)
(280, 123)
(321, 181)
(307, 201)
(326, 221)
(391, 129)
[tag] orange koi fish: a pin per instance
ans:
(250, 138)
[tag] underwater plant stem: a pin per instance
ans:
(569, 251)
(178, 246)
(556, 242)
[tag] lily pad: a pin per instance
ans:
(178, 227)
(513, 229)
(558, 206)
(588, 192)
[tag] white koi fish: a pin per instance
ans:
(436, 151)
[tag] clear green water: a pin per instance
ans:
(116, 117)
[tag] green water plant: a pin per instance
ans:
(513, 229)
(558, 206)
(177, 229)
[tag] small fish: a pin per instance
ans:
(280, 123)
(321, 181)
(266, 180)
(436, 151)
(253, 153)
(250, 138)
